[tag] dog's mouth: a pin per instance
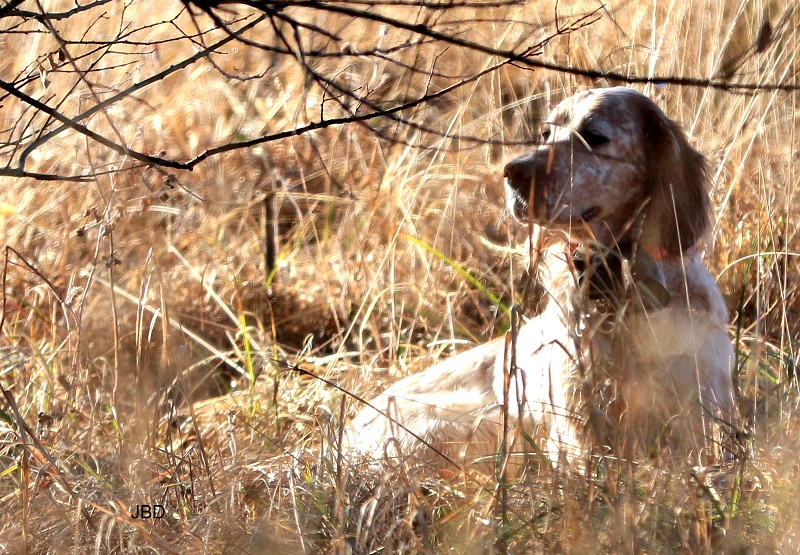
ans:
(518, 205)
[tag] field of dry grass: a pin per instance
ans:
(155, 359)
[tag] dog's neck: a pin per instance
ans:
(628, 275)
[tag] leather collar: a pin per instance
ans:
(621, 276)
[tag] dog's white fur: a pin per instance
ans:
(634, 379)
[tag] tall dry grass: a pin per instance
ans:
(156, 380)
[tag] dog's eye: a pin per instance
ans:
(593, 139)
(545, 135)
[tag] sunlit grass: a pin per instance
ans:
(166, 380)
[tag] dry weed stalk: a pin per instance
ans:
(139, 339)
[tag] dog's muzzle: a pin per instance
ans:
(522, 188)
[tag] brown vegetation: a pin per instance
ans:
(149, 356)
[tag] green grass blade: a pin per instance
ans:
(472, 280)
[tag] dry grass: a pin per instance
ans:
(126, 385)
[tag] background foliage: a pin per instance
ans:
(205, 208)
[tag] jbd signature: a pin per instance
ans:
(148, 511)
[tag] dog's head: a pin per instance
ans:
(612, 168)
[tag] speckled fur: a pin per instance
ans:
(626, 382)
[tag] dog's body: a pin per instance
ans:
(631, 354)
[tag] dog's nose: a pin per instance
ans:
(518, 171)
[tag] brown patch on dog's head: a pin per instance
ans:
(678, 211)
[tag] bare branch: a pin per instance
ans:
(15, 172)
(510, 55)
(160, 76)
(293, 35)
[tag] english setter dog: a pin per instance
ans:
(631, 356)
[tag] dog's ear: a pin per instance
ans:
(677, 214)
